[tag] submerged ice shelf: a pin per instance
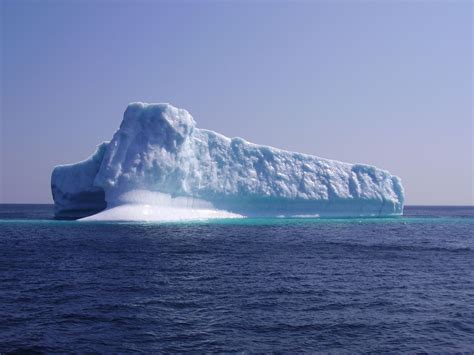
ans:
(160, 166)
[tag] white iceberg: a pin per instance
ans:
(160, 166)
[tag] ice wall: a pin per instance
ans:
(73, 189)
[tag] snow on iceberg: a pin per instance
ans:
(160, 166)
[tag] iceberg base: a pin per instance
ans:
(154, 213)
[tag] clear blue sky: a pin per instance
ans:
(383, 83)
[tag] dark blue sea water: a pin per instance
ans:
(369, 285)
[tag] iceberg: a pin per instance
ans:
(159, 166)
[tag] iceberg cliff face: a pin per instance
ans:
(159, 165)
(74, 192)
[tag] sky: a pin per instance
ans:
(385, 83)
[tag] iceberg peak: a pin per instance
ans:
(159, 118)
(159, 158)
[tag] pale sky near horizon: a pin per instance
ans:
(385, 83)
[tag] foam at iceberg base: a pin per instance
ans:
(160, 166)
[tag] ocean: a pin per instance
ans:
(254, 285)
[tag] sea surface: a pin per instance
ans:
(256, 285)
